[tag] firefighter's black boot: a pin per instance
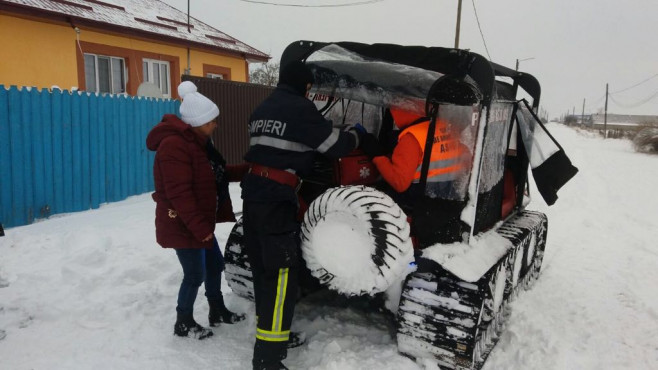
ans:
(262, 366)
(296, 339)
(220, 314)
(186, 327)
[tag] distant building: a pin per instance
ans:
(578, 119)
(624, 120)
(616, 122)
(112, 46)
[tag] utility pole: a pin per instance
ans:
(605, 115)
(522, 60)
(459, 21)
(582, 116)
(188, 69)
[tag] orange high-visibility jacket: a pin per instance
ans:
(399, 170)
(403, 169)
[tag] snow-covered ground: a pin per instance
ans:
(92, 290)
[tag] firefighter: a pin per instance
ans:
(286, 133)
(448, 160)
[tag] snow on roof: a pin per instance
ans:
(150, 16)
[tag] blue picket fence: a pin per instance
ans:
(65, 152)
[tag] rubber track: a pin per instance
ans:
(453, 321)
(237, 269)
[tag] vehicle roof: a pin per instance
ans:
(447, 61)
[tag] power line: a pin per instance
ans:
(366, 2)
(481, 33)
(643, 101)
(636, 85)
(628, 88)
(636, 104)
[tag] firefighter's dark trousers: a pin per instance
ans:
(271, 237)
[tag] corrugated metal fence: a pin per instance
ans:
(236, 101)
(64, 152)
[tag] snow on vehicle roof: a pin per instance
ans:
(147, 16)
(344, 73)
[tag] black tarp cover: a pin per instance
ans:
(551, 168)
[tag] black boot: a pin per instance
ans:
(220, 314)
(257, 365)
(296, 339)
(186, 327)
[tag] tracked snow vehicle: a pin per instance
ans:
(453, 260)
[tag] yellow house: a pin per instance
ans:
(113, 46)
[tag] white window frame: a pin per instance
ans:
(149, 75)
(215, 75)
(111, 76)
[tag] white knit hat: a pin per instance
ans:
(195, 110)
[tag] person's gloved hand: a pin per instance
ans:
(370, 145)
(360, 129)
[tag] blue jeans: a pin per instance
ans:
(199, 266)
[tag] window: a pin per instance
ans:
(215, 75)
(215, 71)
(157, 73)
(105, 74)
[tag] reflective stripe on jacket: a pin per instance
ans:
(447, 157)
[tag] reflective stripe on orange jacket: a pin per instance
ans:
(446, 160)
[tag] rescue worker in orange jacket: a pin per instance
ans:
(448, 160)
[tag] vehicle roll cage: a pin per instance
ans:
(456, 64)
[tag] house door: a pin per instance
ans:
(157, 73)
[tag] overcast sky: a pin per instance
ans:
(577, 46)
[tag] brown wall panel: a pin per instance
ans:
(236, 101)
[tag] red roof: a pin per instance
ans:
(149, 18)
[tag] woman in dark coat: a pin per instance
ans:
(191, 190)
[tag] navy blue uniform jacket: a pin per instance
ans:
(286, 132)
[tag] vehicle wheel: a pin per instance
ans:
(355, 240)
(237, 270)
